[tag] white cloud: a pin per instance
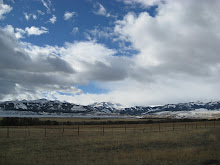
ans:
(86, 54)
(23, 70)
(145, 3)
(179, 44)
(52, 68)
(36, 30)
(183, 38)
(100, 10)
(4, 9)
(19, 33)
(68, 15)
(47, 4)
(102, 32)
(27, 16)
(53, 19)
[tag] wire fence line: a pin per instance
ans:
(101, 130)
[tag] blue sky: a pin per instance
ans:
(134, 52)
(85, 19)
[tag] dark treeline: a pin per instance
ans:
(17, 121)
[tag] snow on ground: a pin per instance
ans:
(197, 113)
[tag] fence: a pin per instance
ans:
(94, 130)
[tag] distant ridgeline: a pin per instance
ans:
(47, 106)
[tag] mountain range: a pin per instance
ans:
(56, 108)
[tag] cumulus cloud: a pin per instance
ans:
(20, 69)
(35, 71)
(179, 44)
(4, 9)
(20, 33)
(68, 15)
(95, 62)
(36, 30)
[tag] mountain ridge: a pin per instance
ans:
(43, 106)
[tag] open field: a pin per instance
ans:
(95, 119)
(165, 143)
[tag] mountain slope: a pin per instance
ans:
(57, 108)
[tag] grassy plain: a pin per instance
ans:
(147, 144)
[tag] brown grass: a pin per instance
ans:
(182, 147)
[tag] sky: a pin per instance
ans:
(132, 52)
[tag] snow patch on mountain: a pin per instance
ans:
(197, 113)
(107, 105)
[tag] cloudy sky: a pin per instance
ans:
(133, 52)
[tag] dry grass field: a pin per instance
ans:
(142, 144)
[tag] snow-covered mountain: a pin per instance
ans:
(56, 108)
(40, 107)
